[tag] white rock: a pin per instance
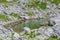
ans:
(16, 36)
(27, 29)
(9, 0)
(49, 32)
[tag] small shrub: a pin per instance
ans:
(34, 24)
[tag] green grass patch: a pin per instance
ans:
(1, 39)
(54, 1)
(36, 4)
(40, 4)
(15, 15)
(4, 18)
(29, 13)
(43, 5)
(51, 38)
(5, 1)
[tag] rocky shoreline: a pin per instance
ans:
(18, 11)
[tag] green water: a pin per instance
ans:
(32, 24)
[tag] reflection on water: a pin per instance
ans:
(32, 24)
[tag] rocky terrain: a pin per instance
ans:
(20, 20)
